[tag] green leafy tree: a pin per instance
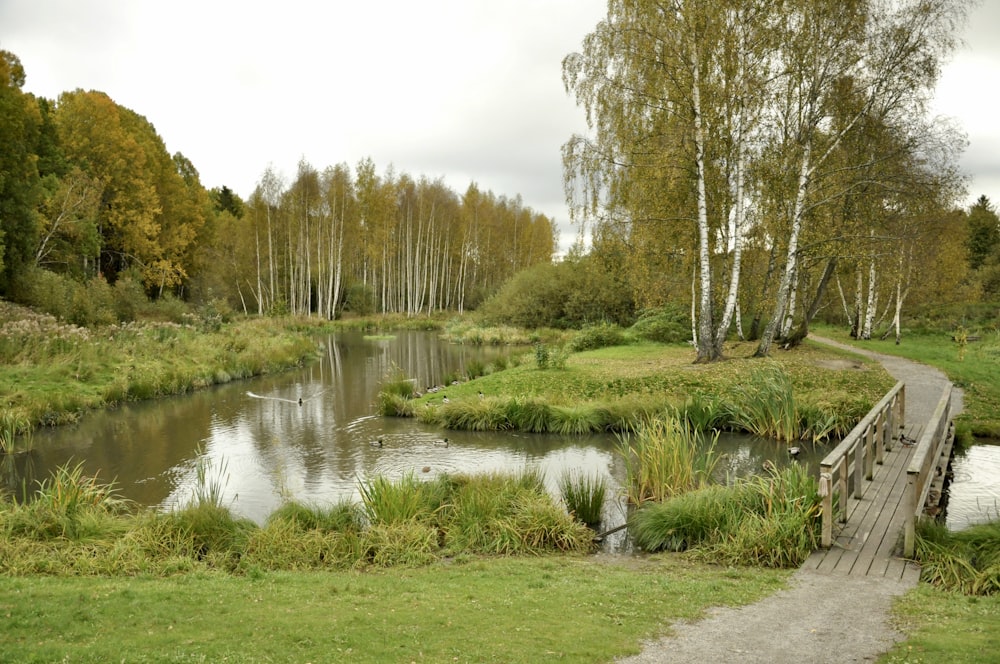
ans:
(984, 232)
(20, 121)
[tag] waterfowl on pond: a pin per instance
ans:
(376, 443)
(443, 443)
(300, 401)
(794, 451)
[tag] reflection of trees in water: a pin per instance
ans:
(272, 444)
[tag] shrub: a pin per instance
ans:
(359, 299)
(598, 336)
(129, 298)
(570, 294)
(667, 325)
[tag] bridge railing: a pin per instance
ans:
(923, 468)
(851, 462)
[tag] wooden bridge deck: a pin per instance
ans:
(870, 543)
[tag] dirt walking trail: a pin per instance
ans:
(819, 618)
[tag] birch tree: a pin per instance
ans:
(886, 55)
(675, 95)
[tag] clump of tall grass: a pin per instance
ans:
(14, 426)
(343, 516)
(211, 479)
(702, 412)
(769, 521)
(407, 499)
(765, 405)
(394, 396)
(550, 356)
(388, 404)
(67, 504)
(211, 533)
(529, 414)
(509, 514)
(407, 522)
(584, 496)
(406, 543)
(576, 419)
(666, 457)
(466, 331)
(966, 560)
(490, 414)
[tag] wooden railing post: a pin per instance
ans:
(826, 494)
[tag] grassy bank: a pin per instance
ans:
(808, 392)
(946, 626)
(973, 365)
(494, 610)
(51, 372)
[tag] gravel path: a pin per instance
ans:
(819, 618)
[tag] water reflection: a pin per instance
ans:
(974, 494)
(263, 447)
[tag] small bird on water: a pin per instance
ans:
(376, 443)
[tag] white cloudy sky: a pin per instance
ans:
(467, 90)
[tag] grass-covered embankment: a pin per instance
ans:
(51, 372)
(809, 391)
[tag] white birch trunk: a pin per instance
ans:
(767, 338)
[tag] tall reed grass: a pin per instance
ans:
(769, 521)
(15, 432)
(584, 496)
(766, 406)
(666, 457)
(967, 561)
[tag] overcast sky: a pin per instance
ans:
(467, 90)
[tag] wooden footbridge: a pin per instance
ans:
(880, 479)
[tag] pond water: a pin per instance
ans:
(974, 493)
(262, 447)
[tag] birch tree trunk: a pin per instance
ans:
(767, 338)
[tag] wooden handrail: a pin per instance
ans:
(920, 472)
(858, 454)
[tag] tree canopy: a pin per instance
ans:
(754, 147)
(89, 190)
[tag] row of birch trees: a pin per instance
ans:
(753, 156)
(384, 243)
